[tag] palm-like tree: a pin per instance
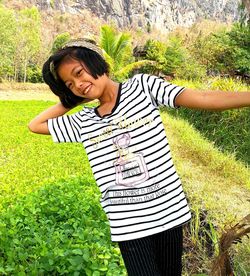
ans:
(118, 52)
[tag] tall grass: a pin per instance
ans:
(46, 190)
(216, 184)
(228, 130)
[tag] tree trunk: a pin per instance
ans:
(25, 70)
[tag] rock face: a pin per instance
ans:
(161, 14)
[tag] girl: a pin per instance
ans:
(127, 149)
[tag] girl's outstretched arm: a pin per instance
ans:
(212, 100)
(40, 123)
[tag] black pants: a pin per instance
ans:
(156, 255)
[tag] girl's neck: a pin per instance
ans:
(110, 93)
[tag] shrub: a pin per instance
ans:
(34, 74)
(59, 41)
(175, 55)
(57, 230)
(227, 84)
(190, 69)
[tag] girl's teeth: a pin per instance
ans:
(87, 90)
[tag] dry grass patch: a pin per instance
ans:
(26, 91)
(213, 180)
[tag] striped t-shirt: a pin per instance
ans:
(130, 158)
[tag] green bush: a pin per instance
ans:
(34, 74)
(175, 55)
(224, 51)
(60, 229)
(190, 69)
(227, 84)
(59, 41)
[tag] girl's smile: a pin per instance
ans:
(77, 78)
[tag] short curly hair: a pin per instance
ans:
(94, 63)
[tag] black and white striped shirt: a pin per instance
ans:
(130, 158)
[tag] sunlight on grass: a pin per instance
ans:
(212, 181)
(28, 160)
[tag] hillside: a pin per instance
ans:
(163, 15)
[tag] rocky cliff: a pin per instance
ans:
(161, 14)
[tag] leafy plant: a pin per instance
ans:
(118, 52)
(8, 29)
(58, 229)
(155, 51)
(175, 55)
(59, 41)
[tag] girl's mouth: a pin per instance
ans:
(87, 89)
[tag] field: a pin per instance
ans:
(51, 222)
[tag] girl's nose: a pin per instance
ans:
(79, 84)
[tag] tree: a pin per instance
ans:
(28, 41)
(239, 38)
(117, 47)
(168, 56)
(59, 41)
(118, 52)
(155, 50)
(175, 55)
(8, 30)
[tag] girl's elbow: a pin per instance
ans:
(39, 128)
(32, 127)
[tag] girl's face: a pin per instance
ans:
(76, 77)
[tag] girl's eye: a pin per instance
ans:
(69, 85)
(79, 72)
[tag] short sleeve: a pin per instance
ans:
(65, 128)
(162, 93)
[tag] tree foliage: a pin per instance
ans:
(117, 48)
(225, 51)
(205, 48)
(155, 51)
(168, 56)
(29, 42)
(8, 30)
(20, 42)
(59, 41)
(175, 55)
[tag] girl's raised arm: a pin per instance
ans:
(40, 123)
(212, 100)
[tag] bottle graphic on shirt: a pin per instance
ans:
(130, 168)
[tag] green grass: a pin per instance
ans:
(215, 83)
(228, 130)
(41, 181)
(29, 160)
(216, 180)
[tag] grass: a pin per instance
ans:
(29, 160)
(215, 83)
(221, 183)
(21, 86)
(214, 182)
(29, 163)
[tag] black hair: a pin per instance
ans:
(94, 64)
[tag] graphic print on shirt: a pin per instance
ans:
(130, 168)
